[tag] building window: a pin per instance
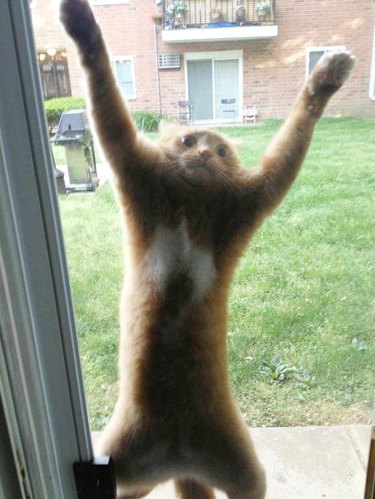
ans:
(372, 76)
(54, 74)
(124, 73)
(315, 53)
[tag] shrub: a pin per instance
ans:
(147, 121)
(55, 107)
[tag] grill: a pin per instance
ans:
(74, 134)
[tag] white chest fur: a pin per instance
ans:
(172, 251)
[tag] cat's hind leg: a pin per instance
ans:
(188, 488)
(227, 461)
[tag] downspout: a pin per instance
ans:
(157, 67)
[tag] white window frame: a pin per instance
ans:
(41, 386)
(218, 55)
(372, 74)
(325, 49)
(122, 58)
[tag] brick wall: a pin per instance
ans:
(273, 69)
(47, 28)
(129, 31)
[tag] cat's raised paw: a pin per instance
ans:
(78, 19)
(331, 72)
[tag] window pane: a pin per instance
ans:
(226, 87)
(200, 88)
(314, 59)
(124, 77)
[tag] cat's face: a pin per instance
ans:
(201, 157)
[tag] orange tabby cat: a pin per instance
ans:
(189, 210)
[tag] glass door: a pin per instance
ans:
(213, 85)
(226, 93)
(200, 89)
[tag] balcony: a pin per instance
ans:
(189, 21)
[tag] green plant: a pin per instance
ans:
(147, 121)
(304, 378)
(55, 107)
(358, 345)
(277, 369)
(178, 7)
(262, 6)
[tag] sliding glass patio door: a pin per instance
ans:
(214, 85)
(201, 89)
(226, 94)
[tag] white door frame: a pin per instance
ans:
(41, 386)
(218, 55)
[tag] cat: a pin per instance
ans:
(188, 209)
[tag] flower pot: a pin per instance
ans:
(179, 18)
(216, 16)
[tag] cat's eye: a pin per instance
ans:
(222, 151)
(188, 141)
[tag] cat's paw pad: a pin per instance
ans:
(331, 71)
(77, 18)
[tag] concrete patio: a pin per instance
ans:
(307, 462)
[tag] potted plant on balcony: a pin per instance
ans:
(216, 14)
(178, 9)
(262, 9)
(157, 18)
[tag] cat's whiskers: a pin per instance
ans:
(226, 178)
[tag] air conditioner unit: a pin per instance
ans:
(169, 61)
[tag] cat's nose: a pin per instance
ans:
(205, 153)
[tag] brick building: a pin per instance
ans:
(248, 59)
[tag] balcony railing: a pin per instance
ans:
(219, 13)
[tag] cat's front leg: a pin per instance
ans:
(80, 24)
(284, 156)
(328, 76)
(116, 130)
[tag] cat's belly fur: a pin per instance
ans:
(172, 252)
(165, 332)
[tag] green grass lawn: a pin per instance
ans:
(301, 329)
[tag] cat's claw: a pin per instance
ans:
(331, 72)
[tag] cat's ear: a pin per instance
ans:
(167, 127)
